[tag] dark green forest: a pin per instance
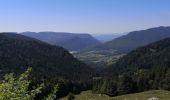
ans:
(142, 69)
(50, 64)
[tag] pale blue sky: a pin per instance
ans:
(83, 16)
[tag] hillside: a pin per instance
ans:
(18, 52)
(69, 41)
(135, 39)
(140, 70)
(146, 57)
(50, 63)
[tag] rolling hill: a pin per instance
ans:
(135, 39)
(69, 41)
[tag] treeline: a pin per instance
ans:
(132, 82)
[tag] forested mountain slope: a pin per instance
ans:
(135, 39)
(155, 54)
(51, 64)
(18, 52)
(142, 69)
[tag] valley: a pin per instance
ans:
(85, 50)
(90, 72)
(99, 59)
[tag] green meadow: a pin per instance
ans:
(159, 94)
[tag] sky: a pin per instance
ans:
(83, 16)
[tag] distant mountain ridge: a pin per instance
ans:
(107, 37)
(135, 39)
(69, 41)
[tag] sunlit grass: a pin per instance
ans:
(160, 94)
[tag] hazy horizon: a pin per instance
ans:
(78, 16)
(93, 34)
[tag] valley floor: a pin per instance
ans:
(148, 95)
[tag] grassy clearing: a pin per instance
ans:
(161, 94)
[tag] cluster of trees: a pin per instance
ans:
(19, 88)
(141, 80)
